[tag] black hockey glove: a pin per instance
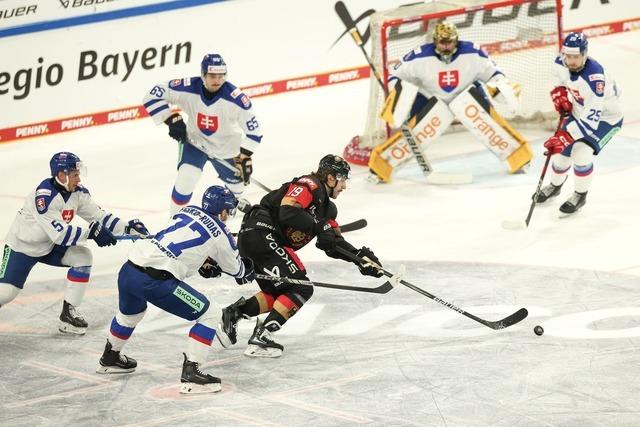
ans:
(102, 236)
(245, 169)
(369, 269)
(210, 269)
(177, 127)
(136, 228)
(325, 236)
(249, 272)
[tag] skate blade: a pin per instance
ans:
(66, 328)
(223, 338)
(514, 224)
(113, 370)
(256, 351)
(193, 388)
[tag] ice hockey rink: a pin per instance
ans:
(396, 359)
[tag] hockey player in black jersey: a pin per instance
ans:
(286, 220)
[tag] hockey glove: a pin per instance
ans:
(102, 236)
(560, 98)
(177, 127)
(136, 227)
(249, 272)
(245, 168)
(210, 269)
(558, 142)
(372, 268)
(325, 236)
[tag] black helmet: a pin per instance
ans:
(334, 165)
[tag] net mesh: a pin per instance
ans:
(521, 37)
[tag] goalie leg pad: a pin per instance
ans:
(484, 122)
(398, 103)
(426, 126)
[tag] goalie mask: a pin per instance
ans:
(573, 45)
(445, 37)
(217, 198)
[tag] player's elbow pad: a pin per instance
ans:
(296, 218)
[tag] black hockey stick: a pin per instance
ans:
(518, 225)
(382, 289)
(350, 24)
(353, 226)
(512, 319)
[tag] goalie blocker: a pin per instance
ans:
(471, 108)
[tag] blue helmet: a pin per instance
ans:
(65, 162)
(214, 64)
(575, 43)
(217, 198)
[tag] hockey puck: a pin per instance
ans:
(538, 330)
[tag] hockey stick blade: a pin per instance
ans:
(511, 224)
(353, 226)
(343, 14)
(510, 320)
(382, 289)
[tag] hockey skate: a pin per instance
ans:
(112, 362)
(228, 329)
(70, 321)
(195, 381)
(547, 192)
(573, 204)
(261, 344)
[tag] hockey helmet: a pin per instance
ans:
(217, 198)
(575, 44)
(66, 162)
(446, 32)
(334, 165)
(213, 64)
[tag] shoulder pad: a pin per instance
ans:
(188, 84)
(593, 74)
(83, 189)
(423, 51)
(308, 182)
(465, 47)
(558, 60)
(332, 210)
(44, 195)
(235, 95)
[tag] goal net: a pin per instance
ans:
(521, 36)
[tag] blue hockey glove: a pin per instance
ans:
(177, 127)
(249, 272)
(136, 228)
(102, 236)
(210, 269)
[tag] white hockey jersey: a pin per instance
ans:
(422, 68)
(219, 127)
(44, 220)
(593, 94)
(182, 248)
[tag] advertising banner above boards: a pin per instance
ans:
(93, 74)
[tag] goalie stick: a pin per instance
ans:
(512, 319)
(382, 289)
(432, 177)
(518, 224)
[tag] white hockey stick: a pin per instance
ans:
(437, 178)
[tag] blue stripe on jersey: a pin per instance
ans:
(77, 236)
(195, 83)
(150, 103)
(255, 138)
(587, 125)
(202, 333)
(157, 110)
(106, 219)
(241, 272)
(66, 236)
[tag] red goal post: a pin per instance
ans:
(521, 36)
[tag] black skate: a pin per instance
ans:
(261, 344)
(112, 362)
(547, 192)
(573, 205)
(228, 329)
(70, 321)
(195, 381)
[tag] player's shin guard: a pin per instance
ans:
(188, 176)
(582, 156)
(8, 292)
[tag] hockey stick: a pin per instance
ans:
(382, 289)
(517, 224)
(134, 237)
(512, 319)
(431, 176)
(350, 24)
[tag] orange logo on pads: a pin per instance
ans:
(494, 139)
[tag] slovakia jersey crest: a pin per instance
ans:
(67, 215)
(448, 80)
(207, 124)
